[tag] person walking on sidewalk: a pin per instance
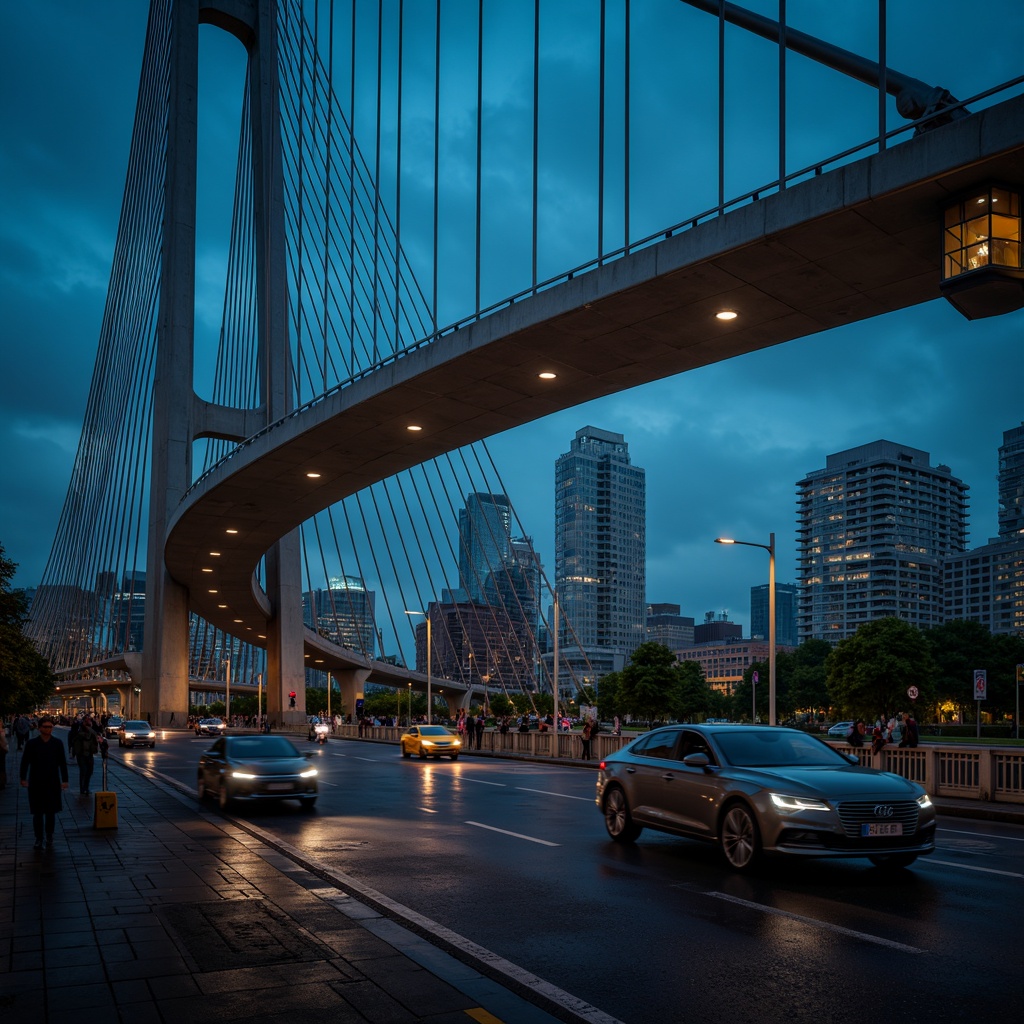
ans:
(4, 749)
(44, 773)
(85, 747)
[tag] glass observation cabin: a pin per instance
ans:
(982, 273)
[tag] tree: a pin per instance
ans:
(693, 695)
(869, 672)
(26, 681)
(608, 696)
(806, 686)
(502, 706)
(650, 685)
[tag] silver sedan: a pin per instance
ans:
(763, 790)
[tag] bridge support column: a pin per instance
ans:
(350, 683)
(286, 671)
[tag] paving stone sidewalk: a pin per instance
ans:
(179, 915)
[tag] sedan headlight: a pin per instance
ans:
(307, 773)
(243, 775)
(924, 800)
(793, 804)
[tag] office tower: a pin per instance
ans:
(1011, 483)
(600, 551)
(666, 626)
(785, 613)
(343, 613)
(873, 528)
(485, 525)
(714, 629)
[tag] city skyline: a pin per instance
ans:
(723, 446)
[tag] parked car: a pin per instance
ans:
(758, 790)
(136, 734)
(210, 727)
(430, 741)
(261, 767)
(840, 729)
(113, 724)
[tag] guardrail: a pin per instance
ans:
(994, 774)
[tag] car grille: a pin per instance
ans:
(855, 813)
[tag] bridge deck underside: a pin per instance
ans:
(857, 242)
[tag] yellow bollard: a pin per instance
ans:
(105, 811)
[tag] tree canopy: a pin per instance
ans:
(26, 681)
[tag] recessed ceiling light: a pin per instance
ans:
(313, 476)
(230, 530)
(413, 427)
(727, 314)
(215, 554)
(222, 606)
(237, 620)
(547, 375)
(207, 570)
(212, 591)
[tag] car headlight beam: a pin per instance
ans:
(242, 775)
(308, 773)
(793, 804)
(924, 800)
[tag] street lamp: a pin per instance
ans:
(227, 690)
(429, 707)
(770, 548)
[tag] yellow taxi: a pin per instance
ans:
(430, 741)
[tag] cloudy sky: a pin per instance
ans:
(722, 447)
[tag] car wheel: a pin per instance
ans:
(307, 802)
(617, 819)
(455, 757)
(740, 838)
(406, 753)
(894, 861)
(152, 746)
(224, 796)
(423, 754)
(201, 787)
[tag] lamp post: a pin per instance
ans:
(429, 707)
(770, 548)
(227, 691)
(259, 700)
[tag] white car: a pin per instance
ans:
(210, 727)
(136, 734)
(841, 729)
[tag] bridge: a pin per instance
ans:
(340, 388)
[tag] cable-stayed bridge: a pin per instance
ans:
(390, 156)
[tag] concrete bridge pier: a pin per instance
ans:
(350, 683)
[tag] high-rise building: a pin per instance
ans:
(600, 550)
(1011, 483)
(873, 528)
(343, 613)
(785, 613)
(713, 629)
(666, 626)
(485, 525)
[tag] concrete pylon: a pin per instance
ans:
(180, 417)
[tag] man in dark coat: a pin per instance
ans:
(44, 773)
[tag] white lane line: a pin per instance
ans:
(981, 835)
(481, 782)
(971, 867)
(515, 835)
(547, 792)
(815, 923)
(428, 810)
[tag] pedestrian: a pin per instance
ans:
(855, 737)
(877, 739)
(617, 726)
(479, 730)
(896, 730)
(585, 737)
(84, 748)
(4, 750)
(910, 732)
(21, 728)
(44, 773)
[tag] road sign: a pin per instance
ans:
(912, 692)
(755, 677)
(980, 684)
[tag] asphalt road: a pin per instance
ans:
(514, 857)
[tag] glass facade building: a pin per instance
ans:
(600, 546)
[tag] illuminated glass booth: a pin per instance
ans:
(981, 253)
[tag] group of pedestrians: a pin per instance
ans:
(900, 730)
(471, 729)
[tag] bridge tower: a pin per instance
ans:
(180, 417)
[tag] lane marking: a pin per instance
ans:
(982, 835)
(515, 835)
(971, 867)
(838, 929)
(482, 782)
(547, 792)
(479, 1014)
(428, 810)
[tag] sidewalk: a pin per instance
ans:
(179, 914)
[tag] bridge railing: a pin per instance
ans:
(993, 774)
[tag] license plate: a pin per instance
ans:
(882, 828)
(278, 787)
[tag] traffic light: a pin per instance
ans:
(291, 699)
